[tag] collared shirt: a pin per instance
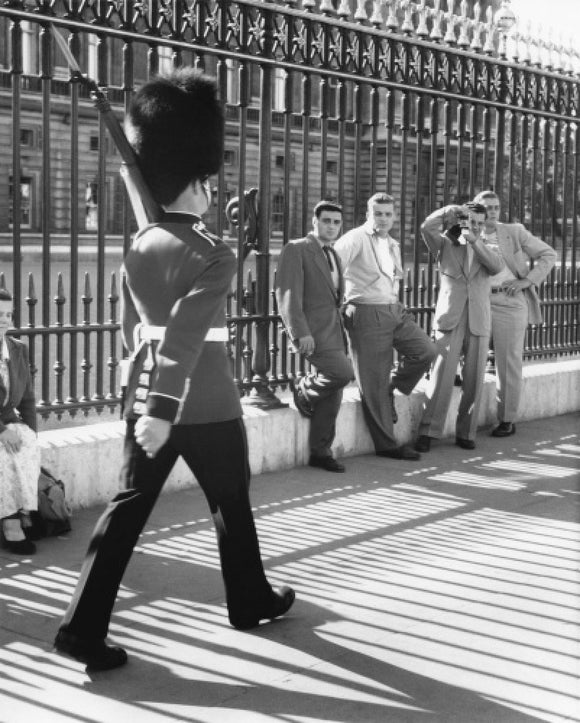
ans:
(505, 274)
(371, 266)
(4, 373)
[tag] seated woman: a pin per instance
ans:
(19, 452)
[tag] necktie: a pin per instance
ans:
(328, 254)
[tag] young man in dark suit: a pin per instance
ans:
(309, 290)
(181, 398)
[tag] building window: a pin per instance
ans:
(91, 206)
(25, 202)
(332, 167)
(94, 143)
(279, 161)
(27, 137)
(278, 212)
(229, 157)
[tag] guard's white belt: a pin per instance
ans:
(156, 333)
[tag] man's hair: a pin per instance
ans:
(326, 206)
(475, 207)
(176, 127)
(380, 197)
(482, 195)
(5, 295)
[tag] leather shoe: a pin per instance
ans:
(423, 443)
(282, 602)
(405, 451)
(95, 653)
(328, 463)
(20, 547)
(393, 408)
(504, 429)
(464, 443)
(300, 402)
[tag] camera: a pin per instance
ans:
(453, 233)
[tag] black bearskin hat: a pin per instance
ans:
(176, 127)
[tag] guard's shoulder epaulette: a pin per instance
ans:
(200, 228)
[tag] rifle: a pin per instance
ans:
(145, 208)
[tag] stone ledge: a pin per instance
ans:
(89, 458)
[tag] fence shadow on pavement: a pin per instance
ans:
(442, 593)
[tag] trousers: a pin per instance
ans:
(374, 330)
(451, 345)
(217, 455)
(509, 321)
(323, 390)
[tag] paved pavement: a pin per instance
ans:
(439, 591)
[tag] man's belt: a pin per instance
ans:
(148, 332)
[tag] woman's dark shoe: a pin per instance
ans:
(13, 537)
(423, 443)
(20, 547)
(328, 463)
(95, 653)
(282, 602)
(405, 451)
(504, 429)
(465, 443)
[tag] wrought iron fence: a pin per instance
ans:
(323, 99)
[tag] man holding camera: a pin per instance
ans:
(454, 235)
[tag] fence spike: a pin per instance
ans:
(87, 297)
(60, 297)
(32, 298)
(114, 294)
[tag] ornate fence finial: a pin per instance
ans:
(392, 22)
(490, 33)
(478, 26)
(437, 15)
(464, 23)
(422, 29)
(408, 27)
(360, 14)
(344, 9)
(450, 34)
(377, 16)
(326, 7)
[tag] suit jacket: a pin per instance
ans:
(308, 301)
(517, 246)
(177, 276)
(20, 404)
(460, 285)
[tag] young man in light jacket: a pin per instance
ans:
(514, 303)
(454, 235)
